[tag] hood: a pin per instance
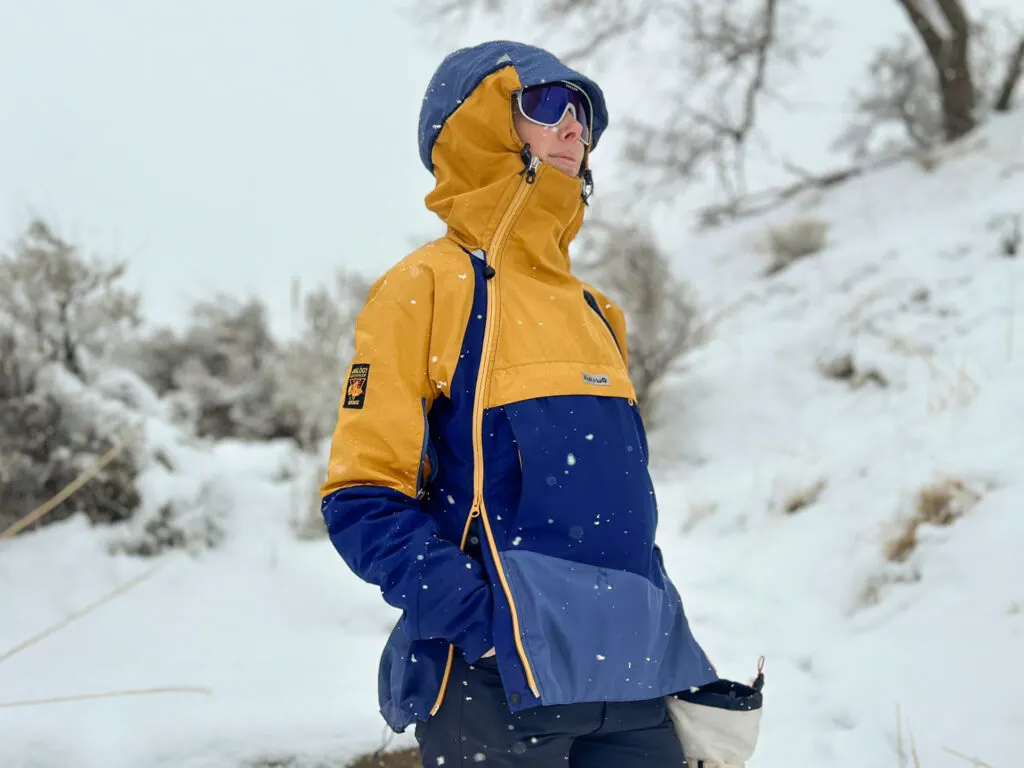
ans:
(468, 141)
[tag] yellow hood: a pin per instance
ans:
(478, 167)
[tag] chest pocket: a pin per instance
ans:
(553, 339)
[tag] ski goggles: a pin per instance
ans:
(547, 105)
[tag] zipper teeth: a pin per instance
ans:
(482, 387)
(451, 648)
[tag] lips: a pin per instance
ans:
(564, 158)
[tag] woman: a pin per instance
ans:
(489, 470)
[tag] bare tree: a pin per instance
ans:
(60, 301)
(663, 322)
(938, 88)
(713, 67)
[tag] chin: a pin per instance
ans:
(564, 167)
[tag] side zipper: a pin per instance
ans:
(427, 457)
(480, 396)
(592, 303)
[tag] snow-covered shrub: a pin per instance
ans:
(660, 309)
(129, 389)
(313, 365)
(222, 372)
(62, 304)
(191, 524)
(795, 240)
(49, 438)
(226, 376)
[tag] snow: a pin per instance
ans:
(285, 639)
(277, 643)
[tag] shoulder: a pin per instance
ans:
(423, 273)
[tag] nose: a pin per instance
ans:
(570, 129)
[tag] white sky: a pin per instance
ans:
(214, 144)
(230, 145)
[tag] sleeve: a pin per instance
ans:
(377, 463)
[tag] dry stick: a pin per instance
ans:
(79, 614)
(105, 695)
(973, 760)
(69, 489)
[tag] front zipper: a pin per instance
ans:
(480, 396)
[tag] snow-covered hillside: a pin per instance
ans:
(791, 455)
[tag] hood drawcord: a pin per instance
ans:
(530, 164)
(588, 186)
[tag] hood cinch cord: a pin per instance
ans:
(528, 165)
(588, 186)
(531, 174)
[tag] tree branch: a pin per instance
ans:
(932, 39)
(1014, 70)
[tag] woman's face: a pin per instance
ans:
(560, 145)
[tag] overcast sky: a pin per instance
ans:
(236, 144)
(214, 144)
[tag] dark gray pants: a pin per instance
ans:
(475, 727)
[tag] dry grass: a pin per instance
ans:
(905, 753)
(793, 241)
(940, 504)
(405, 758)
(907, 756)
(802, 499)
(843, 368)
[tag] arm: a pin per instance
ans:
(370, 497)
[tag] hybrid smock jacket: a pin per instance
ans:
(489, 466)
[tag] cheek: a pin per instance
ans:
(539, 137)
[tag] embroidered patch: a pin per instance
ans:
(355, 390)
(598, 381)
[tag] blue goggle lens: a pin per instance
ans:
(547, 105)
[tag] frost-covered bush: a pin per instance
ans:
(222, 371)
(62, 304)
(49, 438)
(313, 365)
(663, 322)
(226, 376)
(192, 524)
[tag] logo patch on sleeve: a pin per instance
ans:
(597, 381)
(355, 390)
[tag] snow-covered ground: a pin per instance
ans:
(913, 286)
